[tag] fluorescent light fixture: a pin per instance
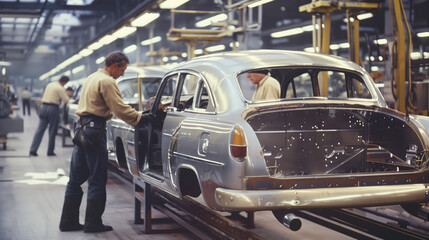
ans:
(364, 16)
(415, 55)
(344, 45)
(310, 28)
(95, 45)
(130, 48)
(334, 47)
(423, 34)
(372, 58)
(144, 19)
(208, 21)
(381, 41)
(286, 33)
(258, 3)
(172, 4)
(231, 44)
(174, 58)
(198, 51)
(184, 55)
(107, 39)
(380, 58)
(4, 63)
(124, 31)
(78, 69)
(67, 73)
(374, 68)
(151, 40)
(165, 59)
(86, 52)
(100, 60)
(3, 71)
(215, 48)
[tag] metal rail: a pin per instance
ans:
(205, 223)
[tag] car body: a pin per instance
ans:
(329, 142)
(118, 132)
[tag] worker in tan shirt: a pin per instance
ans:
(100, 98)
(25, 96)
(49, 115)
(267, 88)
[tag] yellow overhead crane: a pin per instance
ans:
(400, 50)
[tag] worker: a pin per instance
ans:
(25, 96)
(266, 87)
(49, 115)
(100, 97)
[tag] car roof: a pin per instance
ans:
(227, 63)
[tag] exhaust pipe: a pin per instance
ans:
(292, 222)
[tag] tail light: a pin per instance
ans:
(238, 146)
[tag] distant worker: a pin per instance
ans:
(69, 91)
(25, 95)
(49, 115)
(266, 87)
(99, 99)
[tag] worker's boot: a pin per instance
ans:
(70, 215)
(93, 222)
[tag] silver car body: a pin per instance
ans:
(298, 152)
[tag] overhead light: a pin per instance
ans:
(172, 4)
(198, 51)
(174, 58)
(130, 48)
(95, 45)
(165, 59)
(310, 28)
(415, 55)
(208, 21)
(344, 45)
(86, 52)
(374, 68)
(258, 3)
(107, 39)
(78, 69)
(3, 71)
(231, 44)
(144, 19)
(100, 60)
(215, 48)
(4, 63)
(362, 16)
(380, 41)
(423, 34)
(184, 55)
(286, 33)
(151, 40)
(124, 31)
(334, 47)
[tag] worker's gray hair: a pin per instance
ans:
(116, 57)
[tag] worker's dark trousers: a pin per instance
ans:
(49, 115)
(89, 162)
(26, 105)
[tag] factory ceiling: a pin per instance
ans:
(37, 35)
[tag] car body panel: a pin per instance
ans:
(340, 141)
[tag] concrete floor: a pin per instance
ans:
(32, 192)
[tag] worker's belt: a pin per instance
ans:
(93, 118)
(51, 104)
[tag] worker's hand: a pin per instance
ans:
(146, 117)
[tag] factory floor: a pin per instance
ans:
(32, 192)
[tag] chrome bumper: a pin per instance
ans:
(344, 197)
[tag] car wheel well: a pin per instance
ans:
(120, 153)
(188, 183)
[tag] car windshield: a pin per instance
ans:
(129, 89)
(291, 83)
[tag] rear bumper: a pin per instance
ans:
(343, 197)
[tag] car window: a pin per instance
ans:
(203, 101)
(304, 82)
(186, 91)
(165, 98)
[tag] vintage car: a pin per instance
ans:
(117, 130)
(329, 141)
